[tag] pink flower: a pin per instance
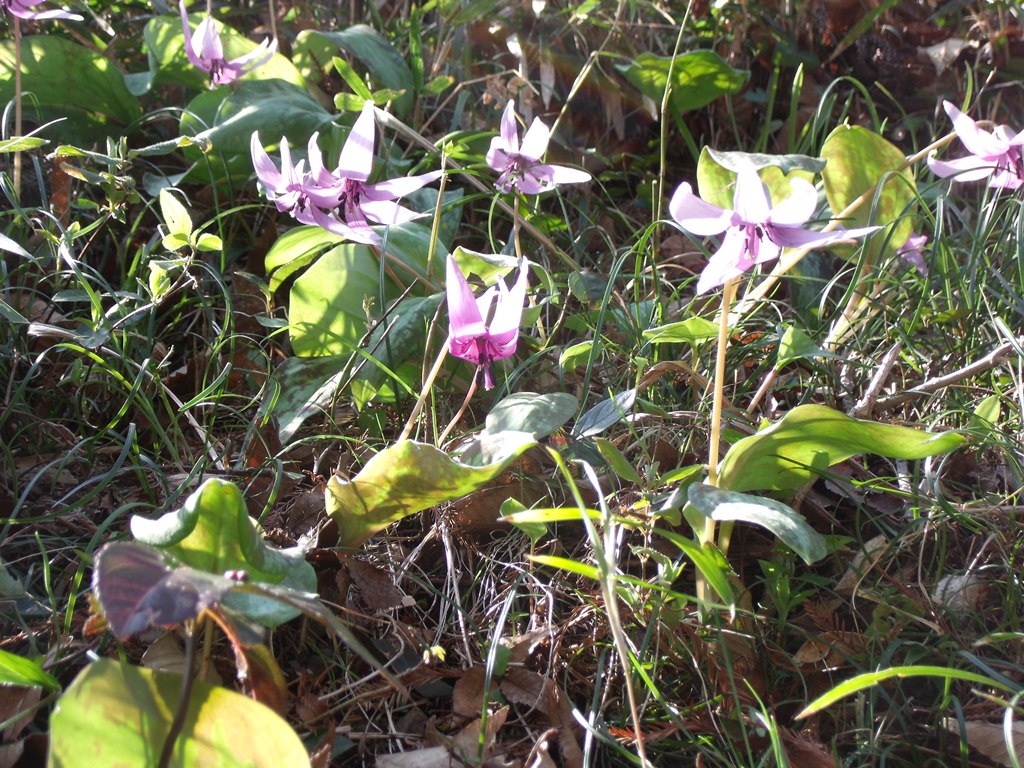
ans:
(470, 337)
(520, 166)
(206, 52)
(23, 10)
(995, 154)
(755, 232)
(911, 251)
(340, 201)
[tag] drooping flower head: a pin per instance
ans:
(471, 336)
(912, 252)
(340, 201)
(23, 9)
(520, 165)
(995, 155)
(206, 51)
(755, 231)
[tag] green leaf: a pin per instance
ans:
(575, 355)
(22, 143)
(67, 81)
(208, 243)
(795, 344)
(698, 78)
(409, 477)
(213, 532)
(985, 417)
(530, 412)
(355, 82)
(175, 216)
(781, 519)
(17, 670)
(871, 679)
(307, 385)
(715, 181)
(294, 250)
(168, 64)
(609, 411)
(810, 439)
(565, 564)
(734, 161)
(227, 118)
(858, 159)
(314, 52)
(689, 331)
(619, 464)
(708, 560)
(117, 714)
(534, 530)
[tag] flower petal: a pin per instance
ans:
(970, 168)
(751, 200)
(725, 263)
(794, 237)
(798, 207)
(560, 174)
(255, 58)
(387, 212)
(978, 142)
(356, 160)
(509, 130)
(266, 171)
(509, 312)
(464, 318)
(535, 142)
(497, 156)
(399, 187)
(695, 215)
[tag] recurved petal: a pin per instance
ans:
(562, 174)
(725, 263)
(399, 187)
(387, 212)
(509, 130)
(257, 57)
(968, 168)
(794, 237)
(798, 207)
(695, 215)
(356, 160)
(206, 41)
(750, 199)
(535, 142)
(265, 169)
(463, 313)
(509, 312)
(978, 142)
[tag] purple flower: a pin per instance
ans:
(470, 337)
(520, 166)
(995, 154)
(911, 251)
(755, 232)
(23, 10)
(340, 201)
(206, 52)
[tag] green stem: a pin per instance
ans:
(186, 693)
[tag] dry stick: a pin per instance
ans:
(862, 409)
(997, 356)
(790, 258)
(399, 127)
(462, 410)
(428, 382)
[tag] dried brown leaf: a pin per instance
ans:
(990, 739)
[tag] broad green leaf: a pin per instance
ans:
(858, 160)
(871, 679)
(17, 670)
(487, 266)
(689, 331)
(715, 180)
(22, 143)
(708, 560)
(985, 417)
(208, 243)
(534, 530)
(115, 714)
(698, 78)
(575, 355)
(213, 532)
(314, 52)
(620, 464)
(810, 439)
(407, 478)
(781, 519)
(175, 216)
(530, 412)
(168, 64)
(227, 118)
(734, 161)
(295, 249)
(795, 344)
(609, 411)
(62, 79)
(307, 385)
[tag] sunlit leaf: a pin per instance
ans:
(213, 532)
(609, 411)
(539, 414)
(811, 438)
(407, 478)
(698, 78)
(17, 670)
(795, 344)
(116, 714)
(689, 331)
(781, 519)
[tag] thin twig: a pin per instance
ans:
(864, 406)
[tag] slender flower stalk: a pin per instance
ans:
(470, 336)
(994, 155)
(519, 166)
(206, 51)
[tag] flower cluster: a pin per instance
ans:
(206, 51)
(340, 201)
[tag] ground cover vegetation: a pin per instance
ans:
(511, 383)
